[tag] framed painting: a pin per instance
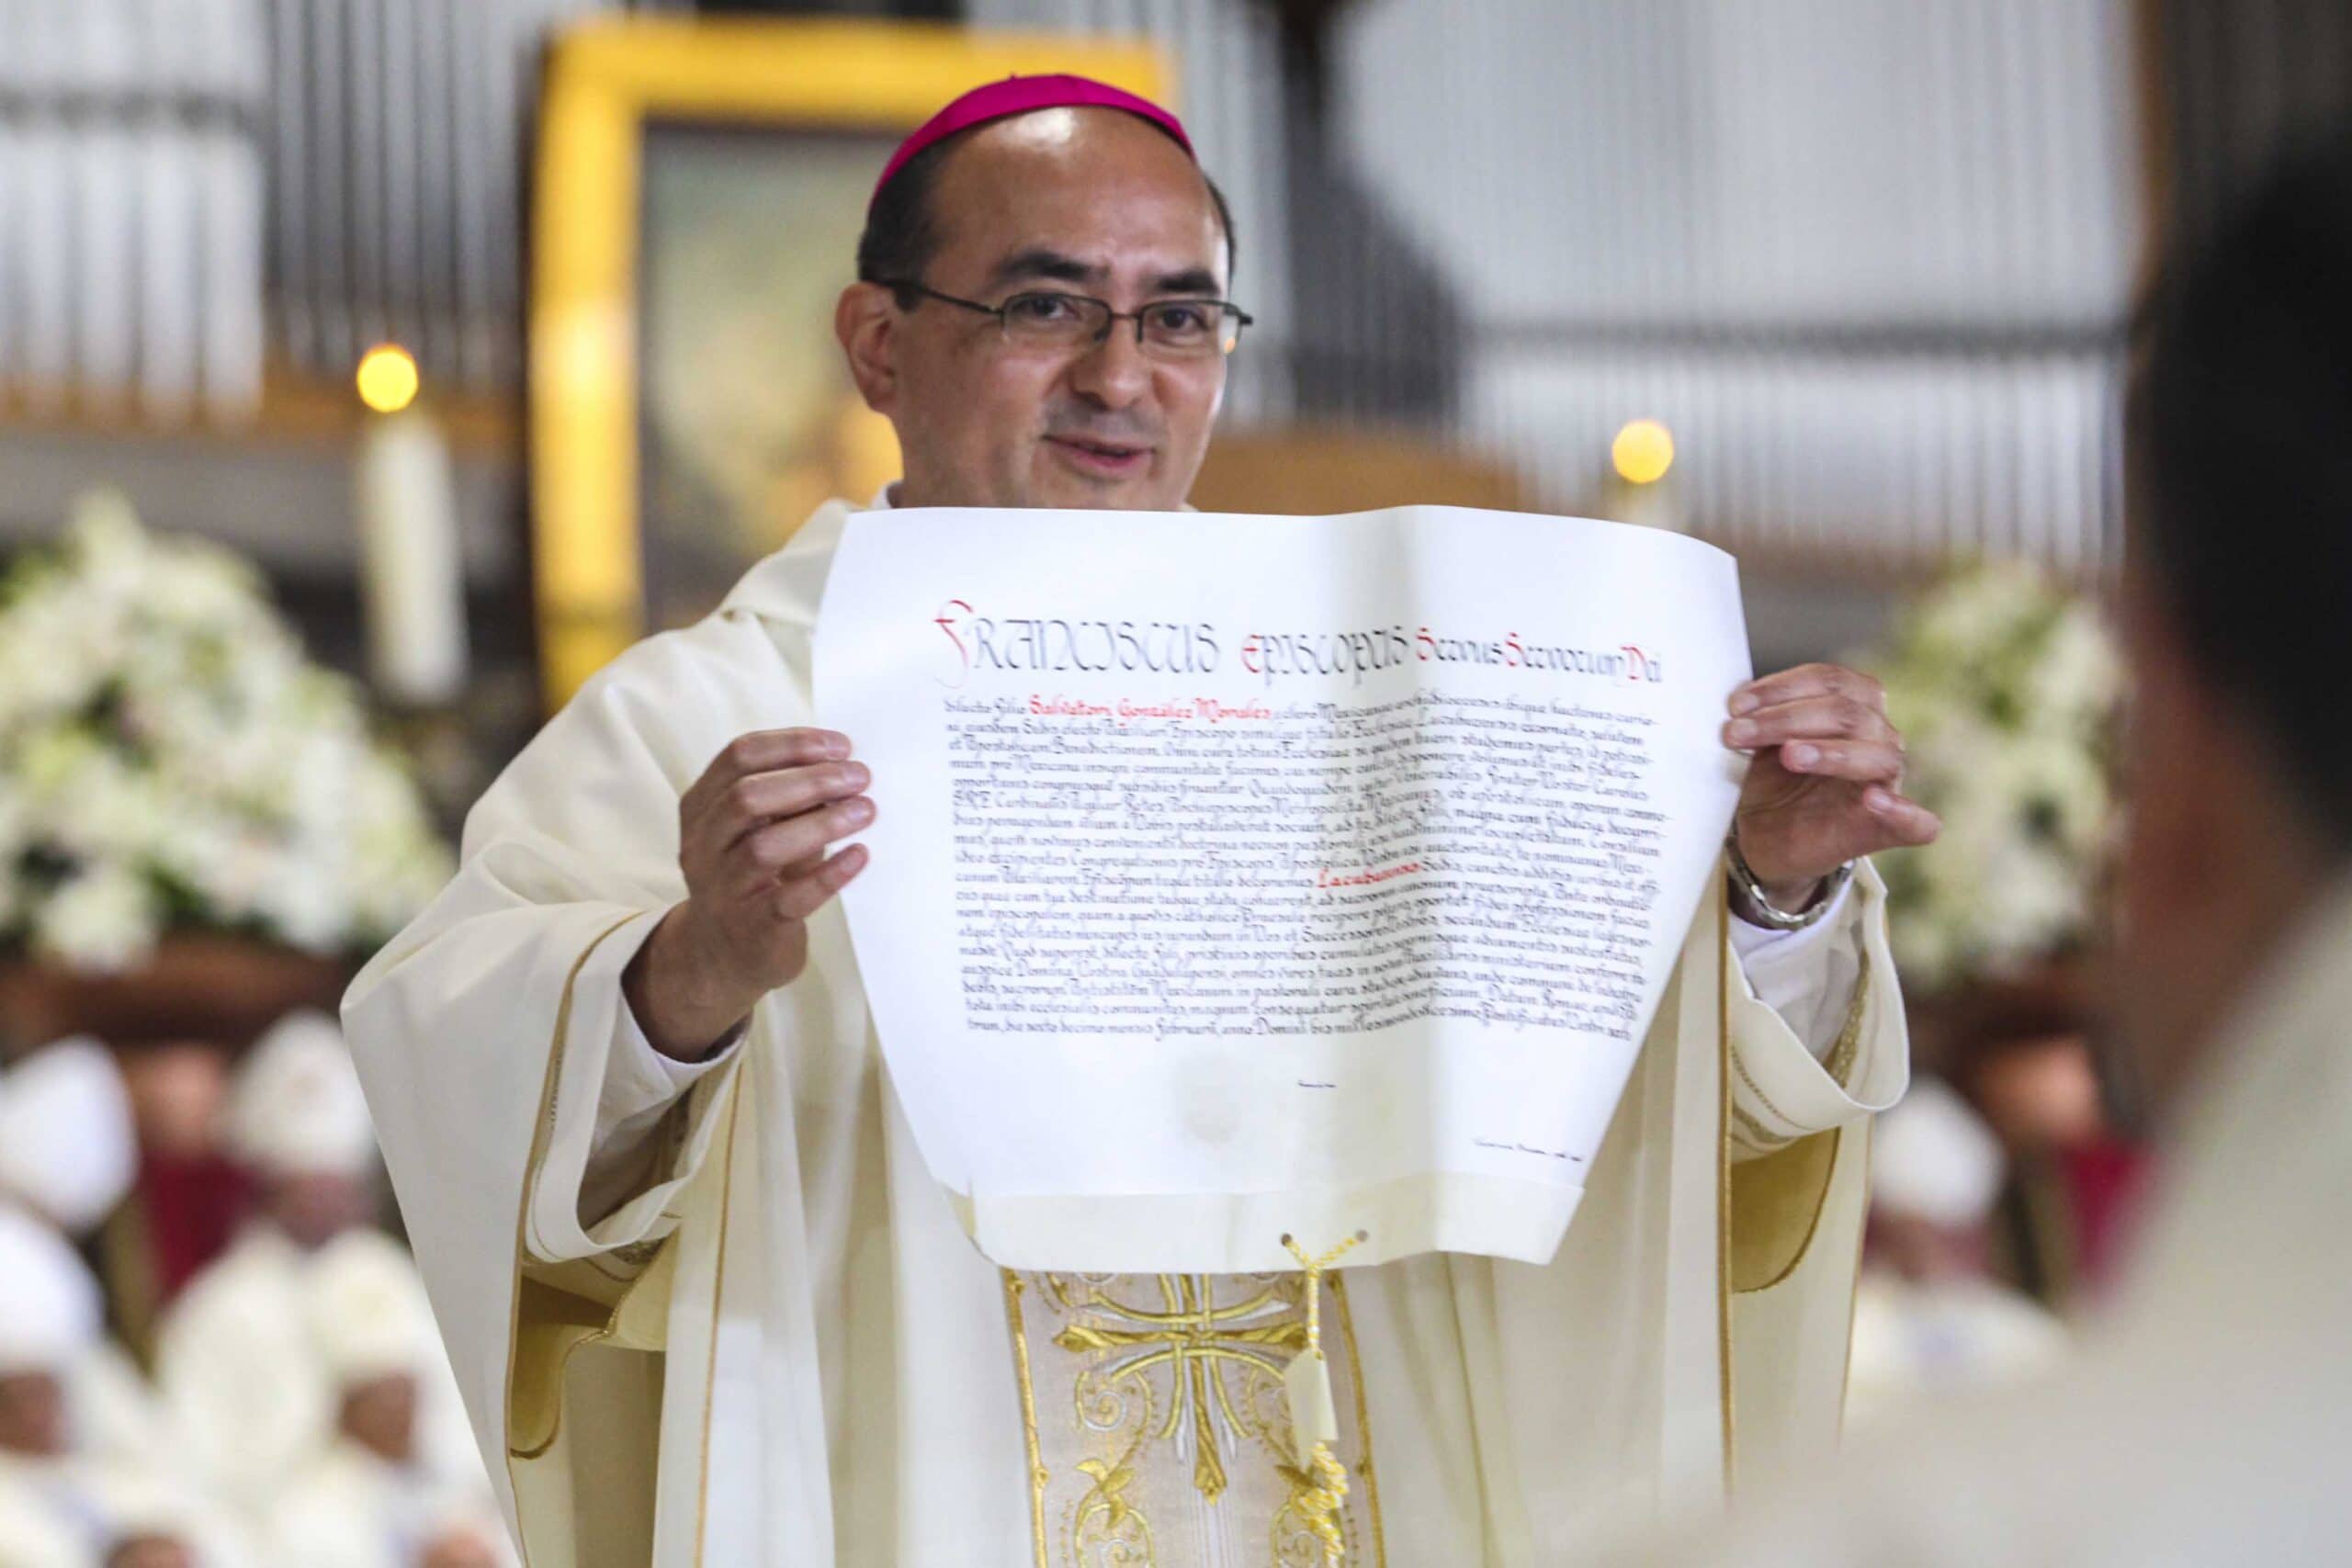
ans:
(701, 185)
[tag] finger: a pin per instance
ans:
(1864, 761)
(764, 750)
(804, 894)
(765, 852)
(757, 800)
(1905, 822)
(1836, 718)
(1807, 680)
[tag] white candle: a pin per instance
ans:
(411, 568)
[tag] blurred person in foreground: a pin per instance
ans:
(240, 1371)
(2210, 1420)
(631, 1102)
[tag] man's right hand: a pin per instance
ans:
(753, 833)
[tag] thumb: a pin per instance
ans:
(1902, 822)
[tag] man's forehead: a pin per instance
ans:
(1079, 195)
(1149, 270)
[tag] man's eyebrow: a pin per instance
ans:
(1196, 281)
(1039, 262)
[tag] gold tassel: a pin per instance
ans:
(1313, 1420)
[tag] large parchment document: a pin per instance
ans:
(1235, 877)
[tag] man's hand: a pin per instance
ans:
(752, 837)
(1824, 787)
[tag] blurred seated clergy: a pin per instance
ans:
(371, 1494)
(68, 1148)
(67, 1156)
(77, 1485)
(632, 1102)
(251, 1385)
(2206, 1420)
(1930, 1320)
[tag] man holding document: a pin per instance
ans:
(1373, 902)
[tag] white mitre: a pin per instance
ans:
(366, 1310)
(67, 1146)
(1934, 1157)
(50, 1311)
(296, 1106)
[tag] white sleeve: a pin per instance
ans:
(1785, 1086)
(641, 1088)
(1807, 976)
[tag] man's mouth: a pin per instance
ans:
(1114, 459)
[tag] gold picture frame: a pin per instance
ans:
(611, 84)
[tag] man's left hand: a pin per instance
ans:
(1825, 787)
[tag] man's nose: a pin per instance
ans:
(1113, 372)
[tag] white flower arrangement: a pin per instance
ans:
(2006, 688)
(170, 760)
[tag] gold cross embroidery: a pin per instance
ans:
(1198, 1342)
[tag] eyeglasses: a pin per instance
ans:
(1169, 328)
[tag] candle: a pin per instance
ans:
(412, 567)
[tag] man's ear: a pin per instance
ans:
(866, 320)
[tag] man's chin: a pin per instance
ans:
(1060, 482)
(1101, 498)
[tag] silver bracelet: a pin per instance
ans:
(1760, 910)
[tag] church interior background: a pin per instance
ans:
(355, 400)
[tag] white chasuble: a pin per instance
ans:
(783, 1351)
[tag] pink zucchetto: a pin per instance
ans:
(1025, 94)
